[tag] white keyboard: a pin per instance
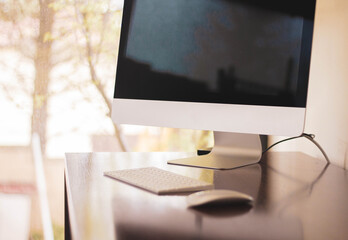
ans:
(158, 181)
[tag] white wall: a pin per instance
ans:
(327, 113)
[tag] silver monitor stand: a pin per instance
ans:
(231, 150)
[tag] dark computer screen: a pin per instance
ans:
(216, 51)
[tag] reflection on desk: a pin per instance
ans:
(296, 197)
(179, 223)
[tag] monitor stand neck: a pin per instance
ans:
(231, 150)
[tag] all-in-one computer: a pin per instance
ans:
(236, 66)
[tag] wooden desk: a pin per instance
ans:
(296, 197)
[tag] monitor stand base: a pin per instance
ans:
(231, 150)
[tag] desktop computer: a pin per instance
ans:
(239, 67)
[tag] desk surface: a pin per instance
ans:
(296, 197)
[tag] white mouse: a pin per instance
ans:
(216, 197)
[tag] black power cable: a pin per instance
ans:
(310, 137)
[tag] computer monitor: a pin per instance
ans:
(238, 66)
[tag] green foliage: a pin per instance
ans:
(58, 232)
(37, 236)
